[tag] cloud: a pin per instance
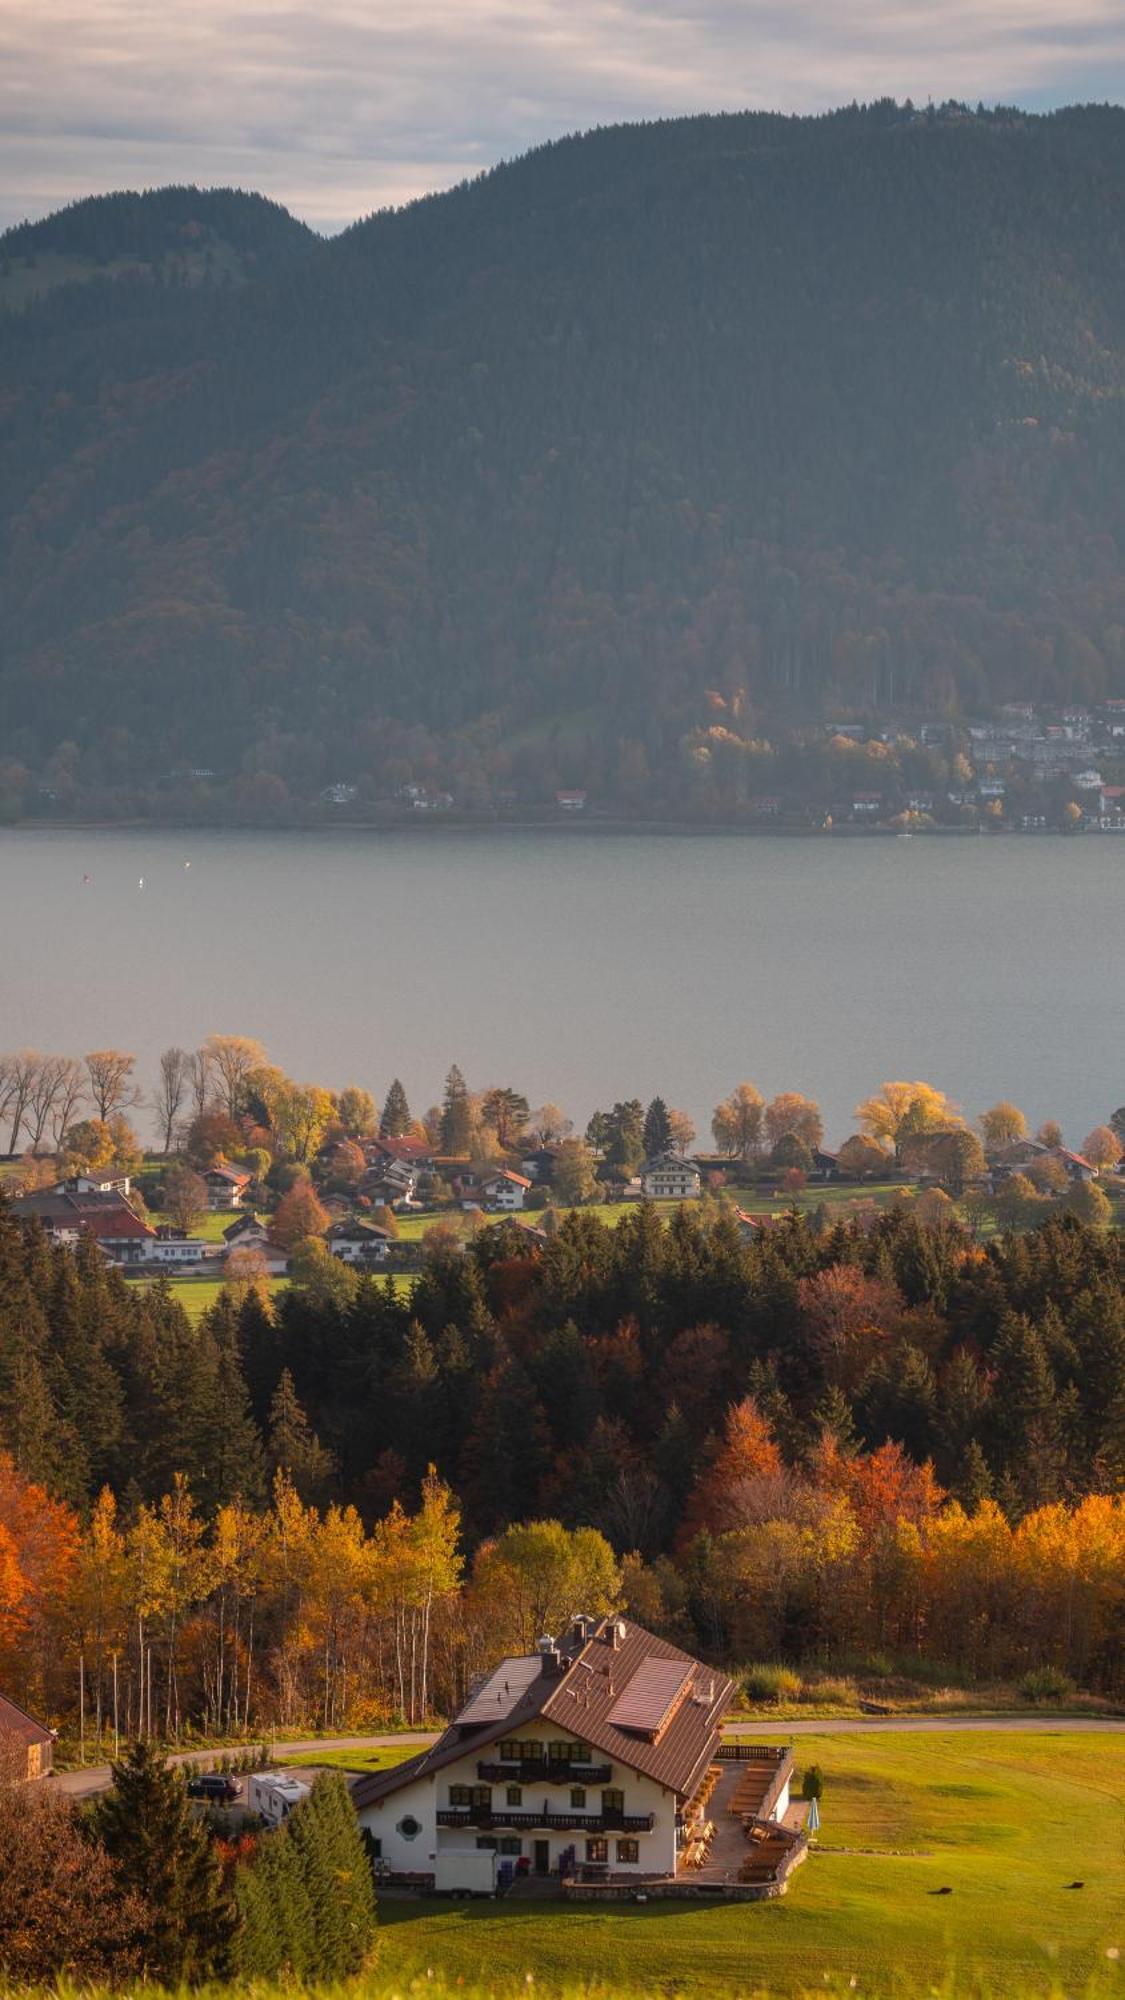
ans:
(340, 108)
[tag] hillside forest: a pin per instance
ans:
(337, 1507)
(627, 467)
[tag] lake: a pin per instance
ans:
(585, 968)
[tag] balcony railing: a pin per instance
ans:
(544, 1773)
(502, 1818)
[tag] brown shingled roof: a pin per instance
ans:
(17, 1722)
(580, 1701)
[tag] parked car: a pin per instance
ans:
(216, 1787)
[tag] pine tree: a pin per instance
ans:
(165, 1853)
(396, 1113)
(277, 1938)
(325, 1835)
(294, 1447)
(834, 1414)
(236, 1465)
(262, 1351)
(505, 1453)
(974, 1480)
(657, 1129)
(456, 1115)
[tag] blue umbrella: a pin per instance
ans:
(813, 1820)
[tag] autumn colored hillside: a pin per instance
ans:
(600, 471)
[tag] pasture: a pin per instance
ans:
(944, 1863)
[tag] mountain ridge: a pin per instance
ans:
(529, 483)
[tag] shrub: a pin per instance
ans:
(771, 1683)
(1046, 1684)
(877, 1667)
(812, 1784)
(828, 1690)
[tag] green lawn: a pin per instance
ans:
(197, 1294)
(1005, 1822)
(355, 1760)
(209, 1226)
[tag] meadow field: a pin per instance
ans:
(944, 1864)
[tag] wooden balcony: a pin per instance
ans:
(545, 1773)
(500, 1819)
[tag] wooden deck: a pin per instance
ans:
(748, 1859)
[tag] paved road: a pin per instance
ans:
(83, 1784)
(96, 1777)
(782, 1731)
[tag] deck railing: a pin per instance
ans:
(545, 1773)
(500, 1818)
(751, 1753)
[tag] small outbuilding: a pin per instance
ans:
(26, 1746)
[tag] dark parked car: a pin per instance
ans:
(216, 1787)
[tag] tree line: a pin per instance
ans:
(292, 1511)
(226, 1099)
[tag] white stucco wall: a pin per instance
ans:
(424, 1797)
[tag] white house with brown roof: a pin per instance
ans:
(106, 1217)
(226, 1185)
(669, 1177)
(504, 1189)
(580, 1758)
(355, 1241)
(249, 1232)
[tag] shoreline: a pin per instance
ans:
(582, 828)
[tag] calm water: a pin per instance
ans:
(586, 969)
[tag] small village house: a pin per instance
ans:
(504, 1189)
(496, 1188)
(26, 1746)
(669, 1177)
(357, 1242)
(106, 1217)
(226, 1185)
(249, 1232)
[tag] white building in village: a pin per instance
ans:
(582, 1756)
(669, 1177)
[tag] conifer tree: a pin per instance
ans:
(164, 1853)
(657, 1129)
(456, 1115)
(277, 1938)
(396, 1113)
(974, 1480)
(262, 1352)
(294, 1447)
(236, 1464)
(325, 1836)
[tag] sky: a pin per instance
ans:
(343, 106)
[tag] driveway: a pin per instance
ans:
(84, 1784)
(95, 1778)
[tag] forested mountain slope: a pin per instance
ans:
(732, 423)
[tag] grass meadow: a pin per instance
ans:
(1004, 1823)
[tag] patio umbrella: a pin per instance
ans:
(813, 1821)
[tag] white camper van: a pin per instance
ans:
(274, 1794)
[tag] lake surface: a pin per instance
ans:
(586, 968)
